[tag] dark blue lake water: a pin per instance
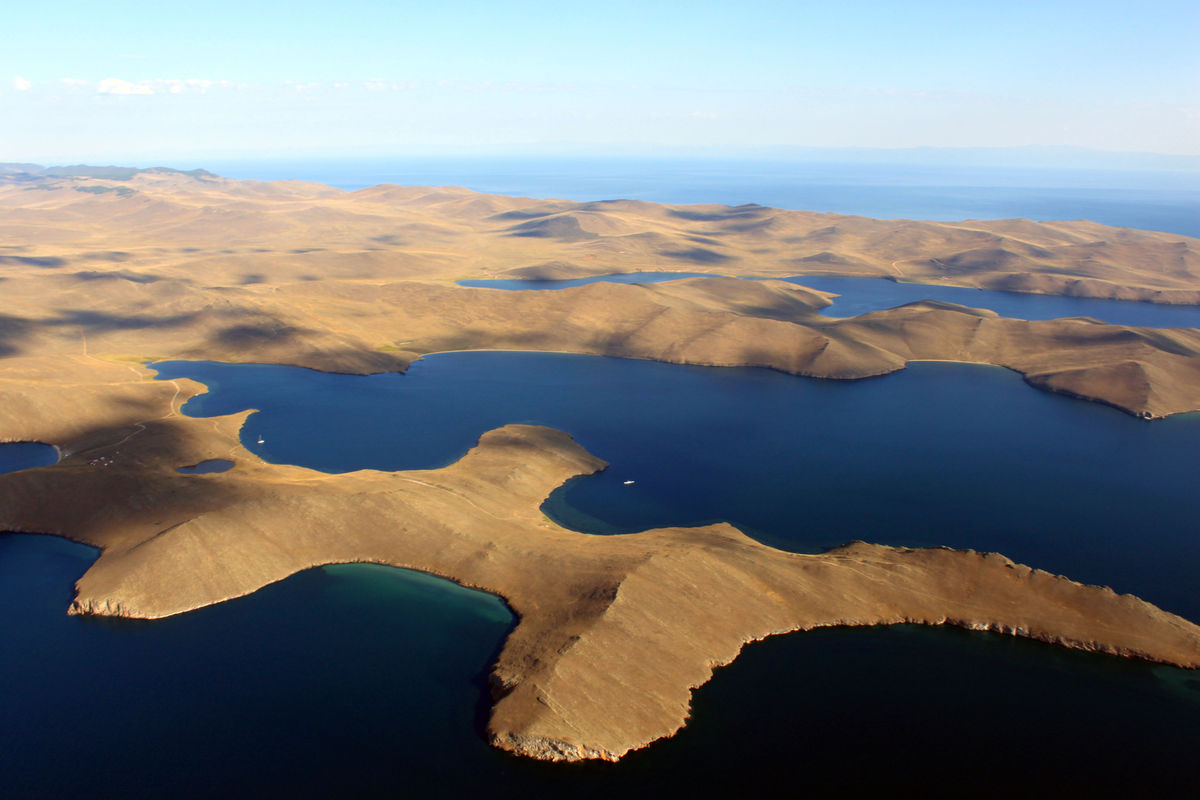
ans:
(953, 454)
(863, 295)
(26, 455)
(1161, 201)
(365, 681)
(362, 679)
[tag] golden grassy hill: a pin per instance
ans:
(168, 265)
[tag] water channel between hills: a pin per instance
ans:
(26, 455)
(362, 678)
(860, 295)
(937, 454)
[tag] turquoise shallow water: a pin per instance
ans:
(353, 680)
(863, 295)
(365, 680)
(340, 678)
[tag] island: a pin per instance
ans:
(103, 273)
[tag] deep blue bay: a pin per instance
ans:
(864, 295)
(861, 295)
(936, 454)
(368, 680)
(26, 455)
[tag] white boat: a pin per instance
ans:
(628, 482)
(260, 440)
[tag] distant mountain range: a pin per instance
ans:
(1061, 157)
(1031, 156)
(1023, 157)
(33, 172)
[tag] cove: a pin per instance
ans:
(354, 680)
(339, 676)
(861, 295)
(937, 454)
(26, 455)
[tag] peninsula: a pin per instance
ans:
(102, 274)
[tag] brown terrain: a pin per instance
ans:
(165, 265)
(100, 276)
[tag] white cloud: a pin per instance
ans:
(302, 86)
(118, 86)
(176, 86)
(378, 85)
(21, 84)
(159, 85)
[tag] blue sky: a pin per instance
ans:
(137, 81)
